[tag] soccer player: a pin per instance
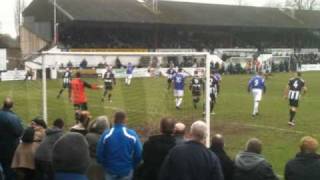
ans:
(293, 91)
(178, 81)
(109, 80)
(214, 90)
(256, 86)
(129, 72)
(170, 73)
(66, 81)
(195, 87)
(77, 93)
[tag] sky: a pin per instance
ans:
(7, 10)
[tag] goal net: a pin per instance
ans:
(141, 87)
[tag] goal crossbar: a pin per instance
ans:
(206, 56)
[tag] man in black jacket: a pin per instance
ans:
(179, 133)
(192, 160)
(156, 148)
(217, 146)
(43, 155)
(251, 165)
(306, 164)
(10, 131)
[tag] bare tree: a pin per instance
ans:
(303, 4)
(274, 4)
(240, 2)
(17, 16)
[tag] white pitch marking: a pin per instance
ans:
(244, 124)
(135, 111)
(270, 127)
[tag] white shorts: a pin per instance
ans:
(178, 93)
(66, 80)
(129, 76)
(257, 94)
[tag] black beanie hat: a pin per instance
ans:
(40, 122)
(71, 154)
(28, 135)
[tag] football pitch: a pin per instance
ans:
(147, 100)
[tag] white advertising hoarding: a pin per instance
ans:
(3, 59)
(310, 67)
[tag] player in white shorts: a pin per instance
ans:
(256, 86)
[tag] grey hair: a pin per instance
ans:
(199, 131)
(100, 124)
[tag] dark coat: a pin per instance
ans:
(155, 149)
(191, 161)
(226, 163)
(44, 152)
(93, 139)
(10, 131)
(303, 167)
(179, 139)
(95, 171)
(252, 166)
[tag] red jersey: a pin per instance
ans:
(78, 94)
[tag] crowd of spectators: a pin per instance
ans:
(310, 58)
(93, 36)
(103, 150)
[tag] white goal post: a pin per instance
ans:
(205, 55)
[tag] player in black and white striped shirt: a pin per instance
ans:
(295, 88)
(67, 76)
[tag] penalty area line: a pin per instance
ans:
(234, 123)
(131, 110)
(269, 127)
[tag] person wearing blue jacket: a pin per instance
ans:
(119, 150)
(11, 130)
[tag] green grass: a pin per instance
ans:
(147, 100)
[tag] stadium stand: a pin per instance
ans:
(129, 24)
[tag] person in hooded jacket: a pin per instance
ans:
(96, 128)
(43, 156)
(251, 165)
(70, 157)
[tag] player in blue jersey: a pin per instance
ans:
(129, 73)
(170, 73)
(256, 86)
(178, 82)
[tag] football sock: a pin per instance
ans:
(60, 92)
(292, 115)
(256, 107)
(109, 97)
(211, 106)
(179, 102)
